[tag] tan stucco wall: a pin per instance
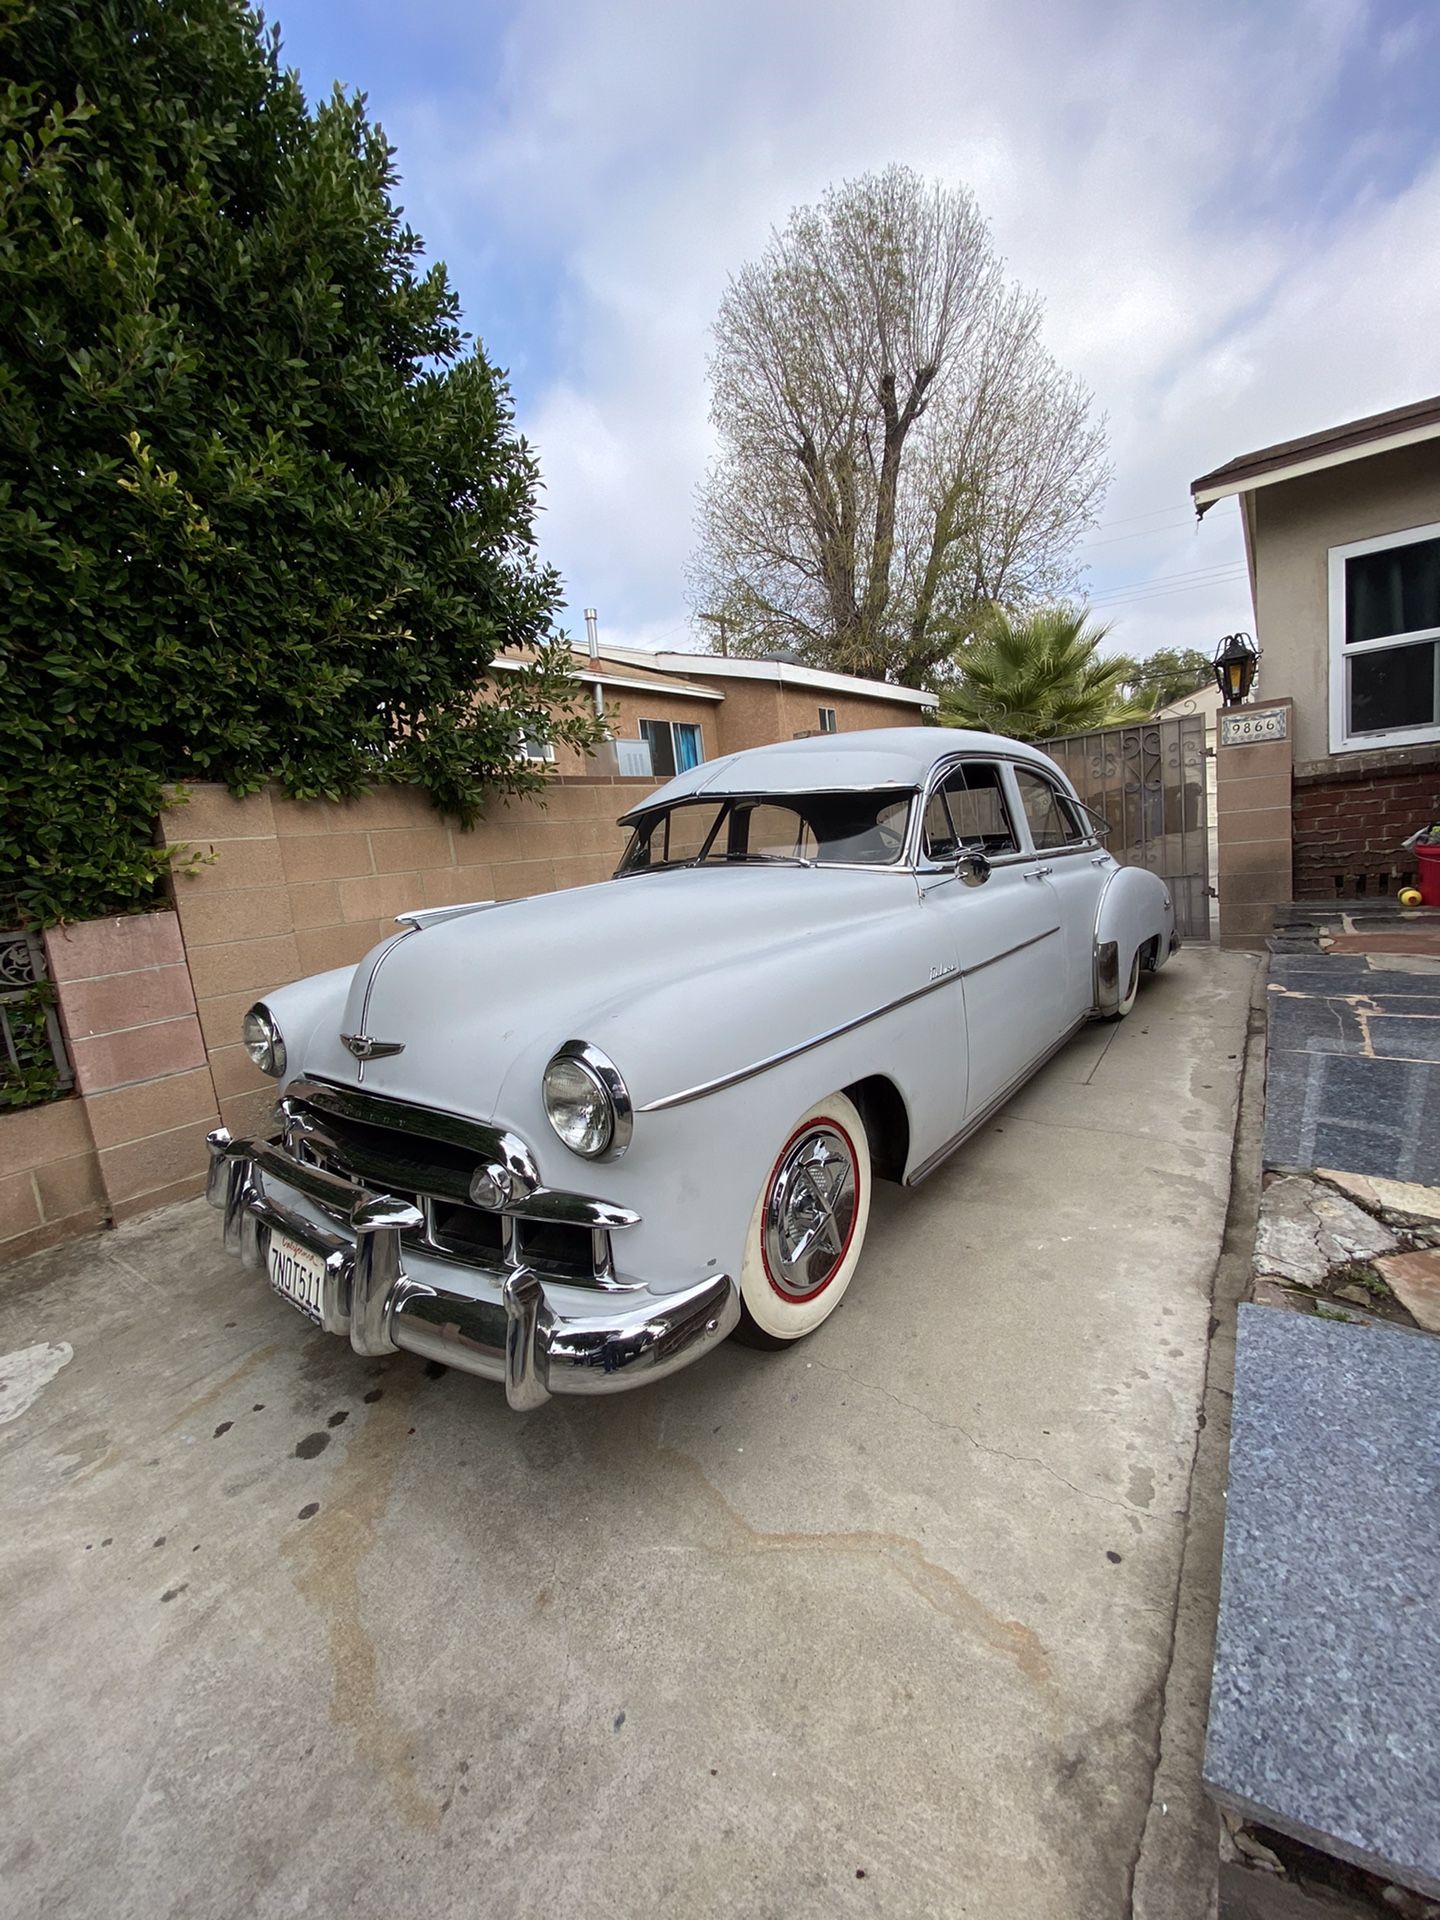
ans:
(759, 711)
(628, 707)
(1295, 524)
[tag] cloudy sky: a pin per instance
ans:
(1231, 212)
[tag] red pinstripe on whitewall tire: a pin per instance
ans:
(808, 1228)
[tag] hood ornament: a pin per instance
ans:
(364, 1048)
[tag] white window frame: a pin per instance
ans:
(644, 722)
(1341, 739)
(537, 752)
(834, 726)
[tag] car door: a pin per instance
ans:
(1076, 866)
(1002, 931)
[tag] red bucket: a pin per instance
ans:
(1427, 876)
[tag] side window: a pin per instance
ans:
(1053, 821)
(968, 809)
(767, 828)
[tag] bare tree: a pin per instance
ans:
(898, 451)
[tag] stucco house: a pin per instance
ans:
(671, 711)
(1342, 540)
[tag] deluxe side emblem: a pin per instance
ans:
(364, 1048)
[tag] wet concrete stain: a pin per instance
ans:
(375, 1393)
(339, 1417)
(328, 1555)
(173, 1593)
(1142, 1486)
(619, 1720)
(312, 1445)
(1113, 1557)
(224, 1427)
(935, 1585)
(212, 1394)
(308, 1511)
(160, 1542)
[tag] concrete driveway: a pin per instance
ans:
(881, 1625)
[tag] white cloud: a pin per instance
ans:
(1154, 174)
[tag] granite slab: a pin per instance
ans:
(1325, 1706)
(1356, 1112)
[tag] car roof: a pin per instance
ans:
(872, 757)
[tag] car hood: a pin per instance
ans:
(656, 969)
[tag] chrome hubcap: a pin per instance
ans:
(810, 1212)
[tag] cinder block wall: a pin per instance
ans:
(1252, 784)
(291, 888)
(151, 1004)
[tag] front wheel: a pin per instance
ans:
(808, 1227)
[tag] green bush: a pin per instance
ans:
(263, 510)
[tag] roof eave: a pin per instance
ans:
(1211, 487)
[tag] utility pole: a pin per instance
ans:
(719, 620)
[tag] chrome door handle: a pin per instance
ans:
(1038, 873)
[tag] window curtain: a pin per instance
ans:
(687, 748)
(1396, 591)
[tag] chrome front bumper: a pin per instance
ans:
(509, 1330)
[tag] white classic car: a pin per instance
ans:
(573, 1142)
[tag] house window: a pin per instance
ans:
(533, 748)
(675, 747)
(1385, 641)
(827, 720)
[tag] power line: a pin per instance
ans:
(1165, 593)
(1164, 579)
(1126, 519)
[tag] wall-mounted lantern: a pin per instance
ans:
(1235, 662)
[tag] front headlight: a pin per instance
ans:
(263, 1040)
(586, 1101)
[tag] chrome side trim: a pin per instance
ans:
(718, 1085)
(705, 1087)
(1050, 933)
(1012, 1087)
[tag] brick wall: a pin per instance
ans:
(1348, 824)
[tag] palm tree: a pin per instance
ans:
(1034, 676)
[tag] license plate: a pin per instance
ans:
(297, 1274)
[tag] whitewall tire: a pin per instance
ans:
(1132, 988)
(808, 1228)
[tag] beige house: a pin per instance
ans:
(671, 711)
(1342, 538)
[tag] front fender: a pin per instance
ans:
(1135, 908)
(306, 1009)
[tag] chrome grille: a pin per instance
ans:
(347, 1135)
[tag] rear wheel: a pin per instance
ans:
(1127, 998)
(808, 1227)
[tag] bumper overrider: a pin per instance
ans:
(509, 1329)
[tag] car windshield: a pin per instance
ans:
(792, 829)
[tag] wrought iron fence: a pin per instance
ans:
(33, 1063)
(1149, 780)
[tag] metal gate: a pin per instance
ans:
(1150, 781)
